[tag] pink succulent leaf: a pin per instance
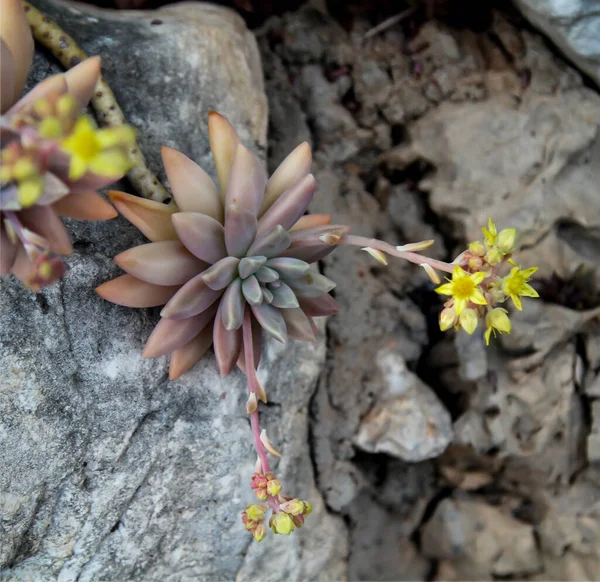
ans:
(246, 182)
(271, 320)
(283, 297)
(44, 221)
(298, 325)
(193, 298)
(240, 230)
(252, 290)
(311, 285)
(202, 235)
(271, 244)
(234, 304)
(290, 206)
(131, 292)
(193, 189)
(222, 273)
(227, 344)
(288, 267)
(295, 166)
(309, 254)
(267, 275)
(161, 263)
(182, 359)
(8, 252)
(319, 306)
(170, 334)
(249, 265)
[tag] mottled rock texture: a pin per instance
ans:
(422, 136)
(574, 26)
(110, 471)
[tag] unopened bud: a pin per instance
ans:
(497, 294)
(259, 533)
(250, 525)
(282, 523)
(448, 318)
(377, 255)
(498, 319)
(307, 508)
(256, 512)
(261, 494)
(433, 276)
(477, 248)
(414, 247)
(493, 257)
(469, 320)
(273, 487)
(293, 507)
(268, 444)
(251, 404)
(506, 239)
(475, 263)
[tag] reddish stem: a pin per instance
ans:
(251, 377)
(362, 241)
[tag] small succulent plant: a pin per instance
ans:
(230, 264)
(53, 158)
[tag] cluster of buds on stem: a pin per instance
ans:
(287, 513)
(481, 282)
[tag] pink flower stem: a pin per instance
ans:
(362, 241)
(251, 377)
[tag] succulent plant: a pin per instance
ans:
(53, 158)
(222, 254)
(230, 263)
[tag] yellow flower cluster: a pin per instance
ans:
(288, 513)
(477, 285)
(23, 169)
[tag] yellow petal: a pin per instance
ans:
(486, 335)
(77, 167)
(517, 301)
(110, 163)
(477, 278)
(458, 272)
(459, 305)
(477, 297)
(445, 289)
(529, 291)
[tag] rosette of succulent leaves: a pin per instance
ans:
(232, 263)
(53, 158)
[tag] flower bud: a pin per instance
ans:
(298, 520)
(506, 239)
(261, 494)
(250, 525)
(477, 248)
(256, 512)
(258, 481)
(498, 319)
(294, 507)
(259, 533)
(493, 257)
(497, 294)
(448, 318)
(273, 487)
(282, 523)
(307, 508)
(469, 320)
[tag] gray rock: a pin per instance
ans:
(407, 421)
(593, 440)
(110, 471)
(573, 26)
(480, 541)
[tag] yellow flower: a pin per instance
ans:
(102, 151)
(282, 523)
(256, 512)
(463, 288)
(260, 532)
(516, 285)
(489, 233)
(496, 319)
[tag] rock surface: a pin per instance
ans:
(422, 136)
(110, 471)
(574, 26)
